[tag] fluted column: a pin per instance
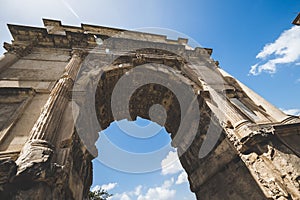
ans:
(39, 147)
(46, 125)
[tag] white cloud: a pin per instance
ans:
(137, 190)
(285, 49)
(168, 183)
(295, 112)
(106, 187)
(97, 187)
(160, 193)
(163, 192)
(171, 164)
(128, 195)
(182, 178)
(123, 196)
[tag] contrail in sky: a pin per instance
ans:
(71, 9)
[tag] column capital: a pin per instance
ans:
(79, 53)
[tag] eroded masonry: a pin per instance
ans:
(56, 88)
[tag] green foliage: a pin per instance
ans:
(99, 194)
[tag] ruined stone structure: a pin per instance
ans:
(56, 86)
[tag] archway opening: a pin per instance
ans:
(136, 161)
(157, 99)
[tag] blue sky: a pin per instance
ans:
(253, 40)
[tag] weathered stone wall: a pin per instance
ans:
(37, 71)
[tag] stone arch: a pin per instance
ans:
(188, 145)
(142, 98)
(264, 152)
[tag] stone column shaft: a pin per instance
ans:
(39, 147)
(47, 123)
